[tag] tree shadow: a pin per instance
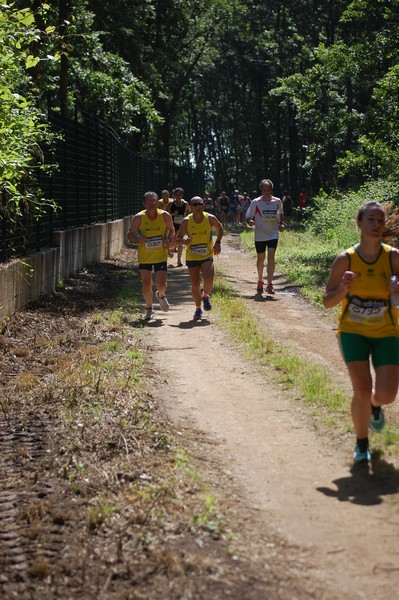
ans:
(366, 485)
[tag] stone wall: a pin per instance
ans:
(22, 280)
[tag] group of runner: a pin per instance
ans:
(360, 279)
(158, 232)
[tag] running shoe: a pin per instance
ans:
(149, 314)
(198, 314)
(359, 456)
(207, 302)
(270, 289)
(377, 424)
(163, 302)
(259, 287)
(179, 264)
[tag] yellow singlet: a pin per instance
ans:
(367, 310)
(200, 234)
(152, 251)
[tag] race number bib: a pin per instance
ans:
(269, 216)
(366, 311)
(154, 242)
(178, 219)
(200, 249)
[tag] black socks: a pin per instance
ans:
(363, 444)
(376, 411)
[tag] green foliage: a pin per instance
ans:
(102, 83)
(243, 88)
(306, 255)
(21, 126)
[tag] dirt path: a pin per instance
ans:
(343, 525)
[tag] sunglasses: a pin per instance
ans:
(197, 204)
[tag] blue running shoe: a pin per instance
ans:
(198, 314)
(377, 425)
(207, 302)
(359, 457)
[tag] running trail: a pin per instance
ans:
(342, 525)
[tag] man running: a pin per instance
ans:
(266, 213)
(200, 251)
(178, 209)
(152, 229)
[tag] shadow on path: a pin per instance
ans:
(365, 485)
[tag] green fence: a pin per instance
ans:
(97, 180)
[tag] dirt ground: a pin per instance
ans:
(305, 525)
(298, 478)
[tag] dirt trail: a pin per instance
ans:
(345, 525)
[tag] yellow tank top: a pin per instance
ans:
(367, 310)
(152, 251)
(200, 234)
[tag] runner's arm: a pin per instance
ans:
(280, 216)
(214, 221)
(395, 261)
(249, 215)
(339, 281)
(182, 232)
(170, 227)
(134, 235)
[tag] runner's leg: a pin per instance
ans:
(359, 372)
(270, 264)
(195, 276)
(386, 384)
(260, 264)
(146, 286)
(161, 282)
(208, 274)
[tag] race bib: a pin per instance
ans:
(269, 216)
(200, 249)
(154, 242)
(366, 311)
(178, 219)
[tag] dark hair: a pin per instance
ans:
(150, 195)
(268, 181)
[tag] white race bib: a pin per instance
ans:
(269, 216)
(154, 242)
(200, 249)
(366, 311)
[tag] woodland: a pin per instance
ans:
(302, 91)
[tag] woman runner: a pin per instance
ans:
(368, 323)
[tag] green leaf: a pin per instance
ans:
(25, 16)
(31, 61)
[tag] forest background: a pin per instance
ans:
(302, 91)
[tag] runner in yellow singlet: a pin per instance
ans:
(152, 229)
(196, 234)
(368, 324)
(165, 200)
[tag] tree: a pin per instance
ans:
(21, 125)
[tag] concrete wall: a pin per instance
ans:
(26, 279)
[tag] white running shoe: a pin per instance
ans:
(163, 302)
(149, 314)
